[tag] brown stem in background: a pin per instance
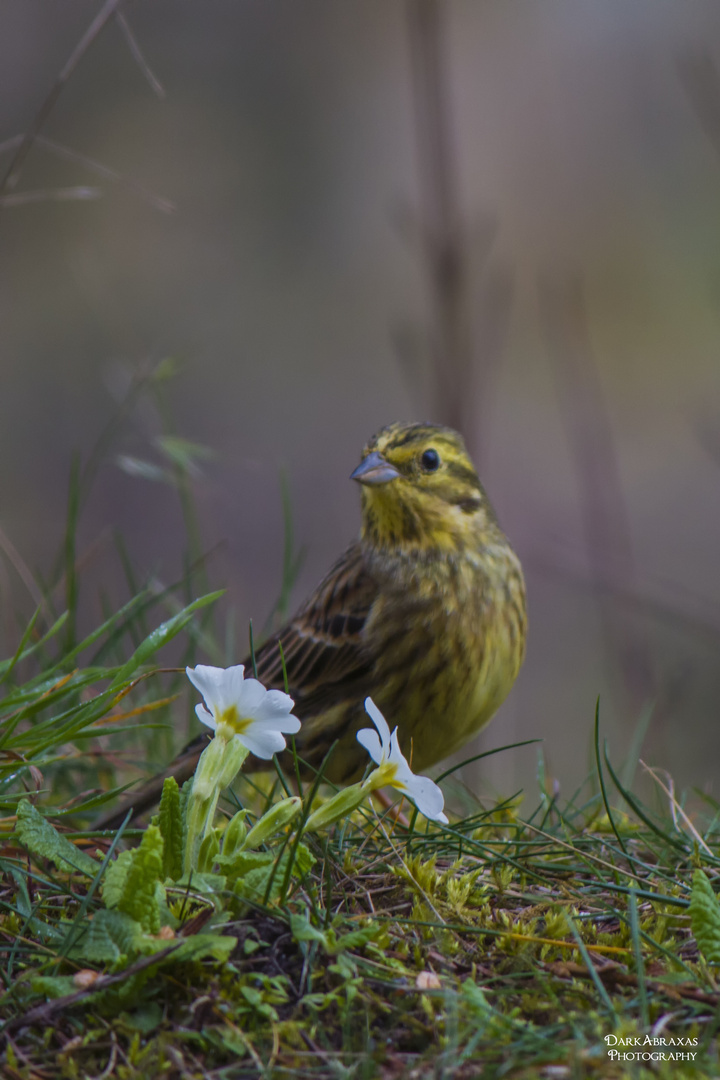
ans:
(110, 10)
(700, 79)
(444, 249)
(98, 23)
(153, 82)
(469, 323)
(604, 516)
(8, 549)
(492, 321)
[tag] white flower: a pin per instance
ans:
(393, 769)
(242, 709)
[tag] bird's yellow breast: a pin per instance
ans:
(450, 639)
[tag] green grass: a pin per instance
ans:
(504, 942)
(511, 942)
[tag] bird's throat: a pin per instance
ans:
(394, 521)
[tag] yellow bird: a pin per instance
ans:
(425, 613)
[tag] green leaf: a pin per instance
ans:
(115, 878)
(303, 930)
(53, 987)
(210, 885)
(183, 453)
(204, 946)
(114, 937)
(209, 848)
(233, 837)
(304, 861)
(476, 998)
(133, 882)
(111, 937)
(277, 818)
(134, 466)
(41, 839)
(145, 1020)
(252, 872)
(356, 939)
(170, 820)
(161, 636)
(705, 917)
(7, 665)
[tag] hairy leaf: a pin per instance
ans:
(705, 917)
(111, 937)
(43, 840)
(133, 881)
(53, 986)
(170, 820)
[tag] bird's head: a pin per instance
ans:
(420, 491)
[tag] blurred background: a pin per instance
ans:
(330, 216)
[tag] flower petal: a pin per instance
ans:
(286, 722)
(261, 742)
(205, 717)
(274, 707)
(427, 796)
(209, 681)
(371, 741)
(267, 713)
(396, 756)
(404, 777)
(251, 696)
(379, 721)
(233, 685)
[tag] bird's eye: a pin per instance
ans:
(430, 460)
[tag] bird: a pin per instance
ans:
(425, 613)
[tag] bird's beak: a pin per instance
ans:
(374, 469)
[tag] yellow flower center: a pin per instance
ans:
(385, 776)
(230, 723)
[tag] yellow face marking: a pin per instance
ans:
(435, 503)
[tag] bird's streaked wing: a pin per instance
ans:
(322, 645)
